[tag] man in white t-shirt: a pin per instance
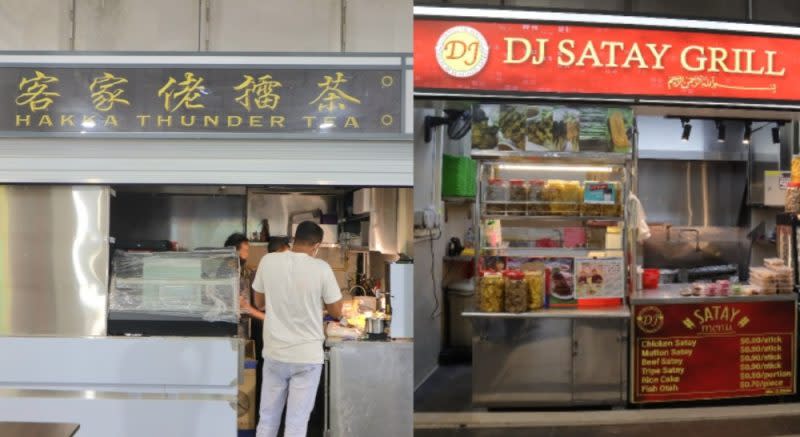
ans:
(292, 286)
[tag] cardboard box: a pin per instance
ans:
(246, 408)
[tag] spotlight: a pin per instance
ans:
(776, 132)
(720, 132)
(687, 129)
(748, 131)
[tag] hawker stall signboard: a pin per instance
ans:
(531, 53)
(155, 94)
(701, 351)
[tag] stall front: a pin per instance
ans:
(124, 174)
(557, 103)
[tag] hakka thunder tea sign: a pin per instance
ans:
(112, 96)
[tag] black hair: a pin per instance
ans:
(277, 243)
(308, 233)
(235, 240)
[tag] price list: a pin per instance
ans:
(697, 351)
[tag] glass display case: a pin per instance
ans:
(174, 293)
(562, 215)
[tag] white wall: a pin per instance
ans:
(207, 25)
(429, 293)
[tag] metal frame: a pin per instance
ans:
(403, 62)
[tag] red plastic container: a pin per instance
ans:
(650, 278)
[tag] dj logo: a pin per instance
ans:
(462, 51)
(650, 319)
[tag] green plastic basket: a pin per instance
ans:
(458, 176)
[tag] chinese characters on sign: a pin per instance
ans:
(34, 91)
(256, 100)
(713, 350)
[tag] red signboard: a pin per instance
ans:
(713, 350)
(497, 58)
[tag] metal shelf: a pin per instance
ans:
(621, 311)
(605, 158)
(458, 200)
(557, 218)
(459, 258)
(555, 252)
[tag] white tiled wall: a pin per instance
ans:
(35, 24)
(378, 26)
(275, 25)
(216, 25)
(137, 25)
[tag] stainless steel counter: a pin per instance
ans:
(32, 429)
(619, 312)
(550, 358)
(671, 294)
(368, 385)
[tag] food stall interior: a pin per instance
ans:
(182, 229)
(711, 203)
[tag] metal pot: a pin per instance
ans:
(668, 276)
(374, 325)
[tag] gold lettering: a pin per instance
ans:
(612, 47)
(46, 121)
(700, 60)
(35, 91)
(106, 90)
(330, 121)
(351, 122)
(698, 316)
(164, 120)
(261, 91)
(234, 121)
(111, 120)
(635, 55)
(658, 54)
(589, 53)
(309, 120)
(717, 56)
(256, 121)
(143, 119)
(89, 121)
(332, 97)
(67, 120)
(771, 65)
(184, 93)
(26, 119)
(277, 121)
(211, 120)
(737, 61)
(538, 57)
(567, 52)
(749, 63)
(187, 120)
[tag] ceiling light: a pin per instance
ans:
(748, 131)
(687, 129)
(537, 167)
(720, 132)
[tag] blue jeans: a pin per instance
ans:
(291, 385)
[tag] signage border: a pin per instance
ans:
(311, 61)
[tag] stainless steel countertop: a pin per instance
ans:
(671, 293)
(333, 341)
(31, 429)
(619, 312)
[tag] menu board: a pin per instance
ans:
(720, 350)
